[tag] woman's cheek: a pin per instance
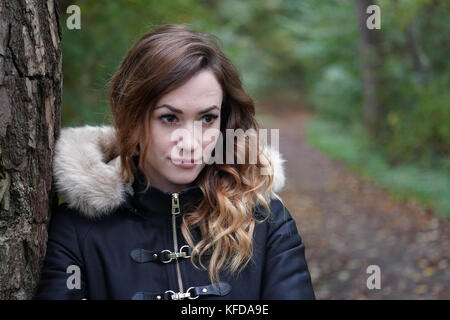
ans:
(158, 146)
(210, 137)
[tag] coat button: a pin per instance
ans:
(155, 256)
(204, 290)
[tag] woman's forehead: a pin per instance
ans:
(201, 91)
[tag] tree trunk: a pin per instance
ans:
(30, 102)
(371, 57)
(420, 60)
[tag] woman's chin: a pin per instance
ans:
(184, 179)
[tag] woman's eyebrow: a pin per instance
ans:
(208, 109)
(176, 110)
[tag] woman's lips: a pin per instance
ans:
(185, 164)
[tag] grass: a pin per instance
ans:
(408, 182)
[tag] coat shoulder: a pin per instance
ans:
(65, 217)
(279, 221)
(278, 213)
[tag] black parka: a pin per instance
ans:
(123, 243)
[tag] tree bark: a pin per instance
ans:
(371, 57)
(30, 102)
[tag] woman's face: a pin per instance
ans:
(174, 143)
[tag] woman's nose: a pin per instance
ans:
(190, 139)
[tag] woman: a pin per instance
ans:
(147, 214)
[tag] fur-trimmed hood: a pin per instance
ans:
(86, 170)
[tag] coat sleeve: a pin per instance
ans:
(286, 275)
(62, 276)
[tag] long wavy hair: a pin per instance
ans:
(163, 60)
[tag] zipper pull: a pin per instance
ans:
(175, 204)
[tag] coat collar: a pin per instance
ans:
(86, 171)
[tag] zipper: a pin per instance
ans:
(175, 213)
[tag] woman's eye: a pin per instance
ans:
(209, 118)
(168, 118)
(172, 119)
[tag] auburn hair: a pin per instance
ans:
(159, 62)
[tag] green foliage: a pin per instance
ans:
(406, 182)
(338, 94)
(422, 132)
(414, 69)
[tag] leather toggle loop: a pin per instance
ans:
(220, 289)
(165, 256)
(150, 296)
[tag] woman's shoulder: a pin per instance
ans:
(277, 228)
(71, 222)
(277, 216)
(64, 216)
(65, 213)
(67, 216)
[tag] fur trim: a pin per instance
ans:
(86, 170)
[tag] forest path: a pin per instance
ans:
(348, 224)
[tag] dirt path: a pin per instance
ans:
(348, 224)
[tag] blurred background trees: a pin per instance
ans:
(307, 51)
